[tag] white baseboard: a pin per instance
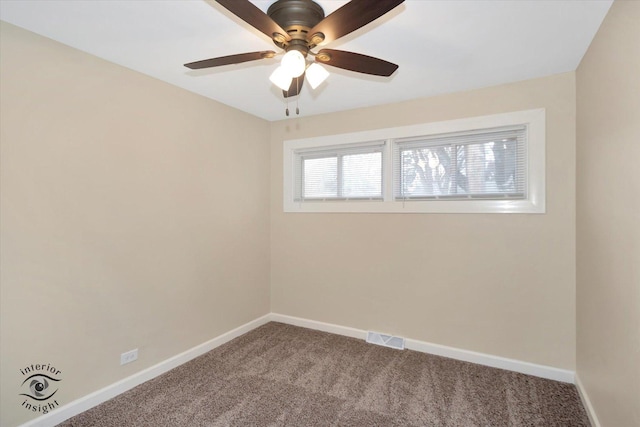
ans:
(89, 401)
(591, 413)
(319, 326)
(499, 362)
(542, 371)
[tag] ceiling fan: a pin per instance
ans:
(297, 27)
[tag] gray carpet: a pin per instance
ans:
(281, 375)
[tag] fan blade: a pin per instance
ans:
(255, 17)
(295, 88)
(356, 62)
(231, 59)
(351, 16)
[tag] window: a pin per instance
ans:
(476, 165)
(488, 164)
(342, 173)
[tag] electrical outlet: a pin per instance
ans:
(129, 356)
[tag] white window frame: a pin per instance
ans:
(534, 120)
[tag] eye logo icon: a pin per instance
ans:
(40, 387)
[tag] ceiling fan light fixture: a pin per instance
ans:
(281, 78)
(294, 63)
(297, 26)
(316, 74)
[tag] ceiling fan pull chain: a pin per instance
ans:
(298, 97)
(286, 111)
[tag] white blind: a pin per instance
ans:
(481, 164)
(340, 173)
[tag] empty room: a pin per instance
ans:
(319, 213)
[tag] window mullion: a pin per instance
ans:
(302, 180)
(454, 176)
(339, 177)
(388, 171)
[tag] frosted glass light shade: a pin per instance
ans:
(316, 74)
(293, 62)
(281, 78)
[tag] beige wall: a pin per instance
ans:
(502, 284)
(134, 215)
(608, 218)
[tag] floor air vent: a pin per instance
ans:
(385, 340)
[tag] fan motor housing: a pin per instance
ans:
(296, 17)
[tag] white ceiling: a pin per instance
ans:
(440, 46)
